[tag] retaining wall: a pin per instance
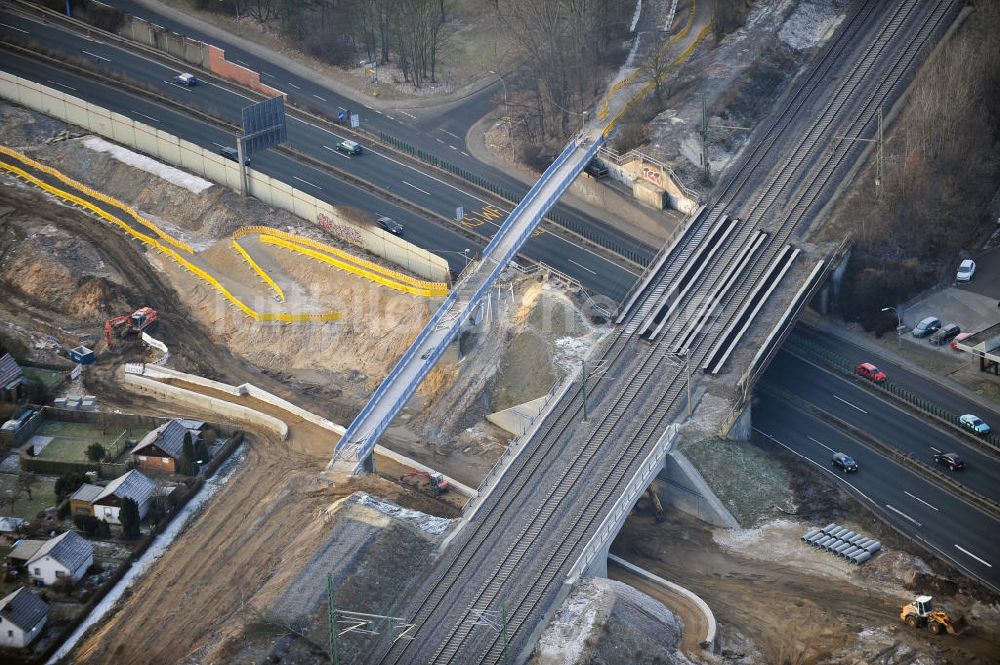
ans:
(687, 490)
(211, 166)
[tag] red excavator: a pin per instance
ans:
(141, 320)
(437, 482)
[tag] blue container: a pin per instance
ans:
(82, 355)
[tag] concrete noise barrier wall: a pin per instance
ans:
(211, 166)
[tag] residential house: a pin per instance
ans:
(161, 450)
(133, 485)
(24, 550)
(22, 617)
(65, 557)
(81, 502)
(11, 379)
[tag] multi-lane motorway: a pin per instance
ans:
(913, 502)
(595, 270)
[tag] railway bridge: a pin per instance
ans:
(711, 309)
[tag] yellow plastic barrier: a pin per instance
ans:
(153, 242)
(260, 271)
(344, 265)
(97, 195)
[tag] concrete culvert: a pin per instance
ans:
(809, 534)
(843, 547)
(873, 547)
(829, 527)
(861, 557)
(851, 551)
(815, 538)
(858, 539)
(847, 537)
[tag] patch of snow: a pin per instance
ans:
(155, 551)
(564, 638)
(810, 25)
(423, 521)
(569, 351)
(635, 16)
(188, 181)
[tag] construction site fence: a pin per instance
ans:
(206, 163)
(562, 220)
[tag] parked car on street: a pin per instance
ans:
(390, 225)
(959, 338)
(966, 269)
(974, 424)
(844, 462)
(946, 334)
(927, 326)
(950, 460)
(870, 372)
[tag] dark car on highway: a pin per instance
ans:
(844, 462)
(927, 326)
(390, 225)
(945, 334)
(231, 154)
(950, 460)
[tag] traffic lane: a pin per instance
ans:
(961, 533)
(596, 273)
(901, 376)
(416, 186)
(311, 94)
(842, 397)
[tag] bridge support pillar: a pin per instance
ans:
(686, 490)
(342, 468)
(742, 428)
(599, 566)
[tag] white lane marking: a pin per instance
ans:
(390, 117)
(822, 444)
(99, 57)
(439, 140)
(850, 405)
(982, 561)
(307, 182)
(453, 148)
(242, 63)
(219, 145)
(293, 85)
(62, 85)
(819, 466)
(13, 28)
(176, 85)
(904, 515)
(322, 99)
(450, 134)
(416, 188)
(267, 73)
(379, 112)
(935, 449)
(336, 152)
(146, 116)
(409, 115)
(929, 505)
(583, 266)
(466, 154)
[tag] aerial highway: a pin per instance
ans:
(913, 504)
(375, 166)
(849, 400)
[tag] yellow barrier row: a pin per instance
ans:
(343, 265)
(156, 244)
(97, 195)
(260, 271)
(628, 80)
(346, 256)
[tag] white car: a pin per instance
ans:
(966, 270)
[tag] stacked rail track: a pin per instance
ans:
(533, 521)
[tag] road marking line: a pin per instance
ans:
(267, 73)
(901, 513)
(439, 140)
(99, 57)
(466, 154)
(450, 134)
(920, 500)
(13, 28)
(219, 144)
(982, 561)
(822, 444)
(293, 85)
(182, 87)
(146, 116)
(417, 188)
(242, 63)
(390, 117)
(336, 152)
(307, 182)
(935, 449)
(583, 266)
(379, 112)
(322, 99)
(850, 405)
(68, 87)
(409, 115)
(453, 148)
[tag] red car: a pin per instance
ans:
(870, 372)
(958, 339)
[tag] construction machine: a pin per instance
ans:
(657, 505)
(437, 482)
(139, 321)
(921, 613)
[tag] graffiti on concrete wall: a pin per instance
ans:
(342, 231)
(653, 175)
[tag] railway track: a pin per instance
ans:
(482, 570)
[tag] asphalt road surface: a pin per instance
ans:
(957, 531)
(375, 167)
